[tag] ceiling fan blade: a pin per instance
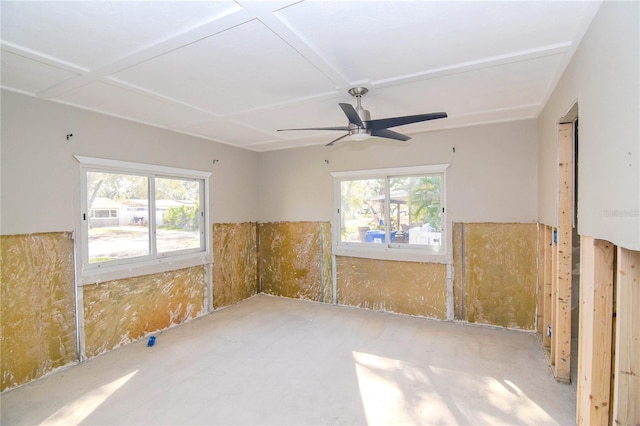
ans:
(351, 114)
(389, 134)
(336, 140)
(385, 123)
(343, 128)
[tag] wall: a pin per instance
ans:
(37, 320)
(402, 287)
(39, 173)
(40, 198)
(122, 311)
(604, 79)
(235, 262)
(492, 177)
(496, 273)
(295, 260)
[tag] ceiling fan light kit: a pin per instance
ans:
(362, 127)
(359, 136)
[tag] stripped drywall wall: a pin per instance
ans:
(402, 287)
(235, 273)
(295, 260)
(121, 311)
(498, 264)
(458, 272)
(37, 308)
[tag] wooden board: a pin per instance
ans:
(595, 332)
(562, 328)
(540, 327)
(546, 311)
(626, 393)
(554, 295)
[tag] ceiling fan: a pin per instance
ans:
(361, 126)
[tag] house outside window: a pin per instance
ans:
(137, 215)
(394, 213)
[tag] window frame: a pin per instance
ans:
(389, 250)
(154, 262)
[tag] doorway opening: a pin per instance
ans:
(571, 119)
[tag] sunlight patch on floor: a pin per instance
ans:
(396, 392)
(393, 392)
(76, 411)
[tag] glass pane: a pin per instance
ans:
(416, 210)
(177, 214)
(362, 211)
(118, 216)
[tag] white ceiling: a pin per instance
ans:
(236, 71)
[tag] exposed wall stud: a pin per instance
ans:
(554, 294)
(562, 327)
(595, 334)
(626, 392)
(548, 291)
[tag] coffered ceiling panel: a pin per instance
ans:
(123, 102)
(390, 40)
(208, 73)
(237, 71)
(30, 76)
(219, 130)
(89, 34)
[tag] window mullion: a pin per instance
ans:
(202, 220)
(387, 211)
(153, 249)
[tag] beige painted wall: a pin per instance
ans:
(40, 180)
(492, 177)
(604, 78)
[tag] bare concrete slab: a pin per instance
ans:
(270, 360)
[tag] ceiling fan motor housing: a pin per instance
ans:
(365, 117)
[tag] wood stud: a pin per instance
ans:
(626, 392)
(596, 327)
(562, 329)
(546, 312)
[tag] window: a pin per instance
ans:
(136, 215)
(391, 213)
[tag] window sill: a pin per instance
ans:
(392, 253)
(156, 266)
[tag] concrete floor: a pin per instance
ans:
(270, 360)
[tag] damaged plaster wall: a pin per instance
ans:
(295, 260)
(496, 273)
(401, 287)
(235, 262)
(37, 317)
(121, 311)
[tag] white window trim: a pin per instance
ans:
(144, 266)
(388, 251)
